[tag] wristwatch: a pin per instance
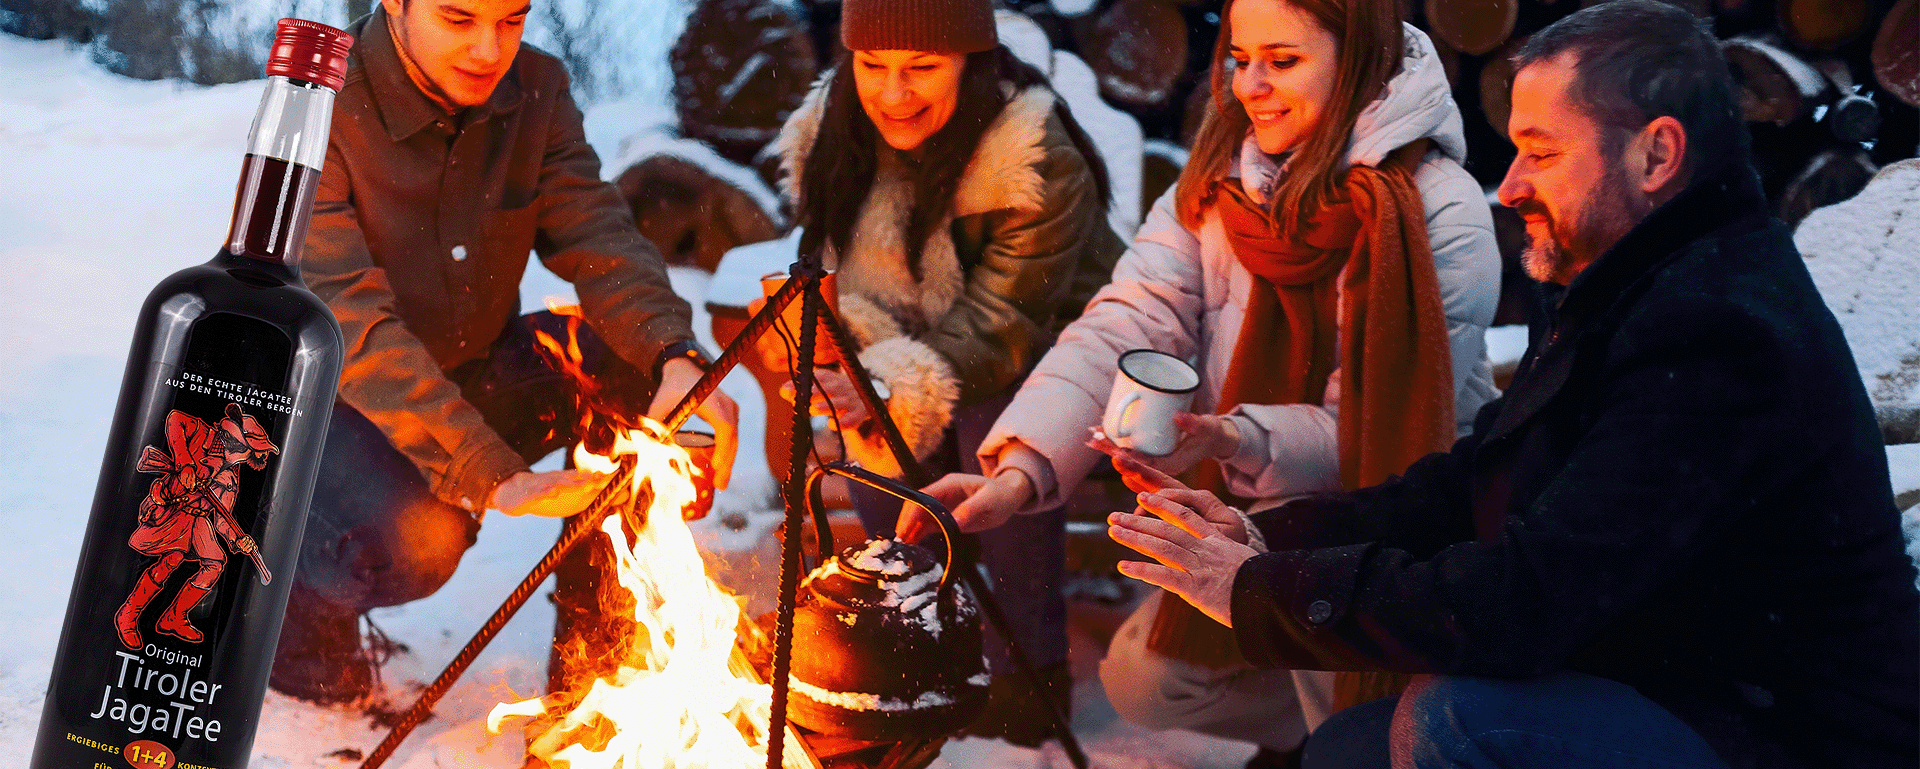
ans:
(685, 348)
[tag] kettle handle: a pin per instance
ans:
(949, 528)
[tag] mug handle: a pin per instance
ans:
(1125, 428)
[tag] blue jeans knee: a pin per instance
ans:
(1558, 720)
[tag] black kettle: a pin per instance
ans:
(887, 642)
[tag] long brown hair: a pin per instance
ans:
(841, 164)
(1371, 43)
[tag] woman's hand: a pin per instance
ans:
(1202, 436)
(977, 502)
(833, 395)
(1195, 560)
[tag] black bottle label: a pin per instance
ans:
(185, 570)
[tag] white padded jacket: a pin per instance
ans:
(1183, 292)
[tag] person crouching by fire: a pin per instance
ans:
(977, 228)
(455, 151)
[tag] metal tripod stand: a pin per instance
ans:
(805, 284)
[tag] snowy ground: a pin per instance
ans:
(109, 185)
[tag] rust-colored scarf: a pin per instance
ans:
(1360, 278)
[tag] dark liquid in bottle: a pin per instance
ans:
(272, 191)
(196, 525)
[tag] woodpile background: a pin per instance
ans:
(1830, 90)
(1830, 87)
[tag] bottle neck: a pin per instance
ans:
(281, 172)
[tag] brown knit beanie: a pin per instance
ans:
(940, 26)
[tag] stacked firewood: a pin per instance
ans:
(1829, 87)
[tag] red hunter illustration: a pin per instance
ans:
(185, 508)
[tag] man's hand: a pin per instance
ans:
(555, 494)
(833, 395)
(245, 545)
(1147, 480)
(677, 378)
(977, 502)
(1195, 561)
(1202, 436)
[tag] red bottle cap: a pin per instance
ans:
(310, 51)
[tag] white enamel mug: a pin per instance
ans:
(1148, 389)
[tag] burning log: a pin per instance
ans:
(577, 528)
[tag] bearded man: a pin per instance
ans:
(1672, 542)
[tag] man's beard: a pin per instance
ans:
(1570, 247)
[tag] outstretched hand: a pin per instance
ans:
(977, 503)
(1194, 560)
(1145, 479)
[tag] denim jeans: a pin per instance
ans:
(1564, 719)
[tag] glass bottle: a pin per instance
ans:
(187, 560)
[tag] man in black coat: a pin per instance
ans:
(1673, 538)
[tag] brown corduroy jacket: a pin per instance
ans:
(422, 229)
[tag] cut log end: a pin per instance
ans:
(1472, 26)
(1896, 52)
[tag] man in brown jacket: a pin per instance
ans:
(454, 153)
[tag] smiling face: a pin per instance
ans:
(1284, 64)
(1575, 193)
(909, 95)
(459, 49)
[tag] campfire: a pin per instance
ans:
(674, 676)
(684, 697)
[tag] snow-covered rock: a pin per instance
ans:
(1864, 254)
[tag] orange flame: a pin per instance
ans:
(681, 701)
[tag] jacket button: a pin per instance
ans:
(1319, 612)
(459, 253)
